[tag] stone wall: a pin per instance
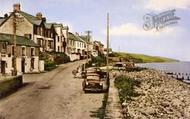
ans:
(10, 85)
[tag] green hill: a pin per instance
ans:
(138, 58)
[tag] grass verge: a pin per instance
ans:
(126, 86)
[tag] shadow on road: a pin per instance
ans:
(100, 113)
(6, 94)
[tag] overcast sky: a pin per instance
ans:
(126, 21)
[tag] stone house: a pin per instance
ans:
(61, 40)
(33, 27)
(76, 46)
(27, 55)
(98, 46)
(88, 42)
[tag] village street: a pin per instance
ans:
(52, 95)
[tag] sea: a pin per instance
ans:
(178, 69)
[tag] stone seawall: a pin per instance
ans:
(161, 97)
(10, 85)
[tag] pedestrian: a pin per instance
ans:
(74, 72)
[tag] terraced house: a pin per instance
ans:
(76, 47)
(32, 27)
(27, 55)
(62, 37)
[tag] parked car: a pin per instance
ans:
(96, 81)
(119, 66)
(91, 70)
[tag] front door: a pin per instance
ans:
(3, 65)
(23, 65)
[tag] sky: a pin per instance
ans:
(126, 22)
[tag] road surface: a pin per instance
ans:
(52, 95)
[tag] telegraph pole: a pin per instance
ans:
(107, 60)
(14, 42)
(88, 38)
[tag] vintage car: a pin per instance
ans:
(90, 70)
(119, 66)
(97, 82)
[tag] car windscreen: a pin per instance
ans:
(118, 65)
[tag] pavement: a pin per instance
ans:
(113, 107)
(52, 95)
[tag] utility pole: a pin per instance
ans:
(107, 58)
(88, 41)
(14, 42)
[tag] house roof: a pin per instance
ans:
(71, 36)
(57, 25)
(98, 42)
(32, 19)
(48, 25)
(1, 20)
(85, 39)
(20, 40)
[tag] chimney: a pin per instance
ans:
(16, 7)
(76, 33)
(39, 15)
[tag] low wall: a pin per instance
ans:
(10, 85)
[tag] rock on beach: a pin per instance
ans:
(160, 97)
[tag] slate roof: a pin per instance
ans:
(1, 21)
(71, 36)
(85, 39)
(32, 19)
(48, 25)
(20, 40)
(57, 25)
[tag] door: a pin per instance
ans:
(3, 65)
(23, 65)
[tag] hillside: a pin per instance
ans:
(138, 58)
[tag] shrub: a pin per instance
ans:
(61, 58)
(126, 86)
(49, 65)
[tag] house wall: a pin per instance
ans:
(8, 58)
(23, 27)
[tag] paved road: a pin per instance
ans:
(52, 95)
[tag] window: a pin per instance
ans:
(51, 35)
(32, 51)
(13, 50)
(38, 30)
(41, 31)
(23, 51)
(32, 63)
(4, 46)
(49, 44)
(58, 49)
(39, 42)
(57, 38)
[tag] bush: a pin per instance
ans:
(61, 58)
(99, 60)
(126, 86)
(49, 65)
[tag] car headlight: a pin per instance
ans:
(86, 83)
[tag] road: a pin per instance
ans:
(52, 95)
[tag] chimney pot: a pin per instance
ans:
(16, 7)
(39, 15)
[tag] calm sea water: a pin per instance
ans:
(176, 67)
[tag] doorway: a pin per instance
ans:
(23, 65)
(3, 66)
